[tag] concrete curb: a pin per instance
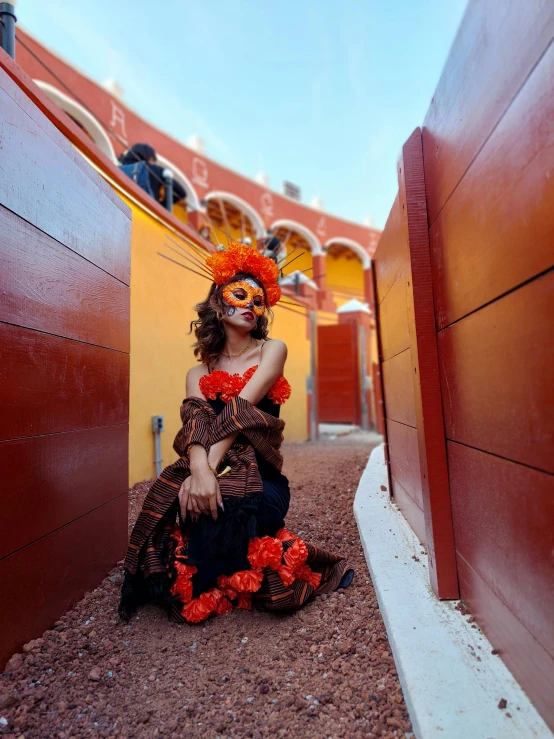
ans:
(452, 683)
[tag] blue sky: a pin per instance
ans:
(319, 92)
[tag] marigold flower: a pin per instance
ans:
(296, 554)
(284, 535)
(246, 581)
(224, 606)
(280, 392)
(223, 581)
(230, 593)
(195, 611)
(210, 598)
(240, 258)
(230, 386)
(265, 552)
(182, 589)
(304, 572)
(184, 570)
(286, 574)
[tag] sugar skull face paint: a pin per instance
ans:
(245, 294)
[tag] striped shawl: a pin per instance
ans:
(241, 488)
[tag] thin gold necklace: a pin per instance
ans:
(232, 356)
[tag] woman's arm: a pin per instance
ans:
(271, 367)
(200, 492)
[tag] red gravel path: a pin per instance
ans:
(326, 671)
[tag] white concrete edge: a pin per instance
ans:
(452, 682)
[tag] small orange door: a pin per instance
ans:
(338, 374)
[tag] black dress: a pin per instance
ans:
(276, 494)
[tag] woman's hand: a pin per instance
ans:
(200, 493)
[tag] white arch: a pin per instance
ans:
(192, 195)
(358, 249)
(311, 238)
(80, 114)
(255, 218)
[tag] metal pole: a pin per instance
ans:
(7, 28)
(167, 175)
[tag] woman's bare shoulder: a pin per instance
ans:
(196, 372)
(275, 348)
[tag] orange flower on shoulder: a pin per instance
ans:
(284, 535)
(246, 581)
(195, 611)
(245, 601)
(182, 589)
(280, 392)
(224, 606)
(249, 373)
(210, 385)
(265, 552)
(304, 572)
(286, 574)
(230, 387)
(296, 554)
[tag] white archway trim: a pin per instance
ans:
(311, 238)
(86, 119)
(358, 249)
(255, 218)
(192, 196)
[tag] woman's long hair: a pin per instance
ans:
(208, 328)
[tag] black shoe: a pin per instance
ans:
(346, 579)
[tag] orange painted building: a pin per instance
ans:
(337, 252)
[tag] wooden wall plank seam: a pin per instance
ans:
(426, 382)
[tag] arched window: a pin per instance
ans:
(81, 117)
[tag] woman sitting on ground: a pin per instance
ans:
(211, 534)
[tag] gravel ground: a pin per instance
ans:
(326, 671)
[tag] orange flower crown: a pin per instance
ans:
(237, 258)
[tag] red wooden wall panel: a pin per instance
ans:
(497, 46)
(398, 388)
(496, 373)
(64, 371)
(529, 662)
(404, 456)
(51, 384)
(43, 580)
(517, 504)
(74, 208)
(487, 170)
(503, 202)
(338, 374)
(50, 480)
(392, 278)
(409, 508)
(53, 289)
(395, 248)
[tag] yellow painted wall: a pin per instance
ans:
(163, 296)
(303, 262)
(344, 274)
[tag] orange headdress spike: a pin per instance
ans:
(237, 258)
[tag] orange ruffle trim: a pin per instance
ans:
(237, 258)
(235, 591)
(229, 386)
